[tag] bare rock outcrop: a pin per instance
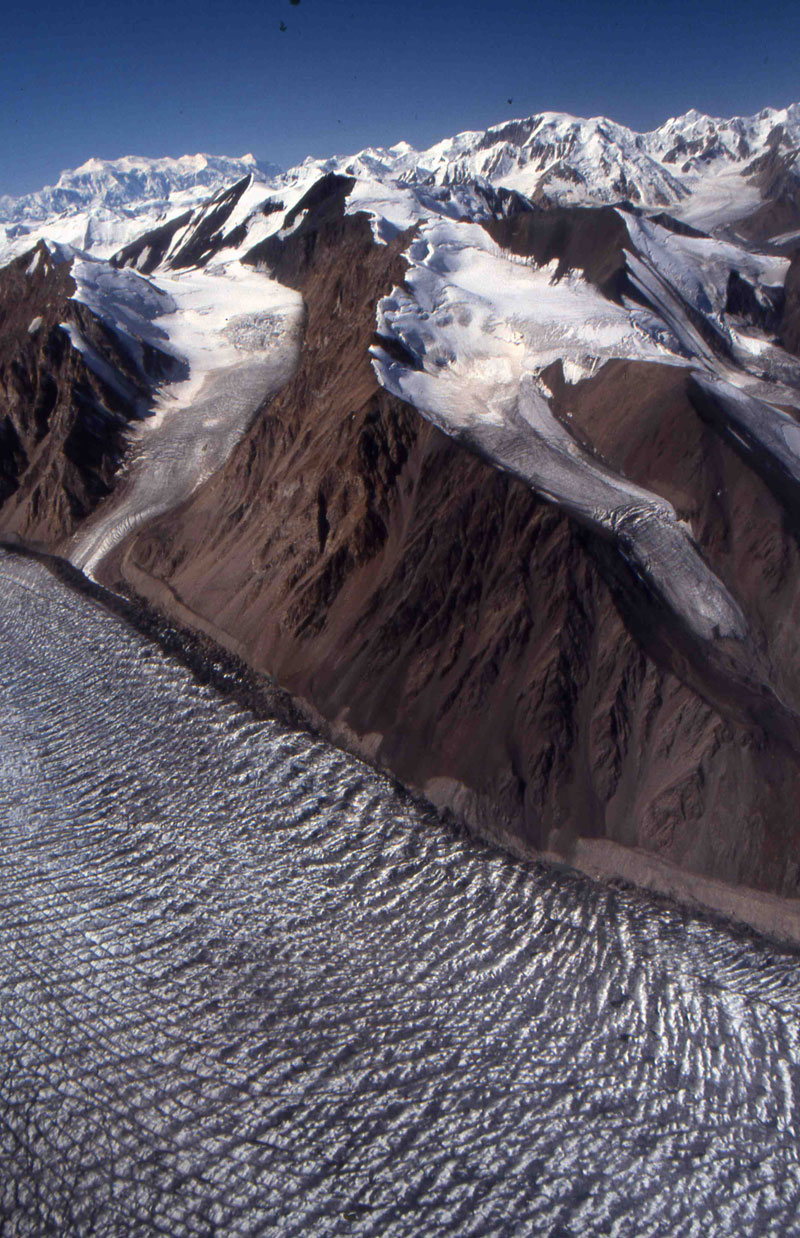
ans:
(790, 321)
(62, 426)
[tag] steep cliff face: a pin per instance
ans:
(466, 634)
(62, 426)
(790, 321)
(575, 238)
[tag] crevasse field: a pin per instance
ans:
(246, 989)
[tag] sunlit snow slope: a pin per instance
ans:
(105, 203)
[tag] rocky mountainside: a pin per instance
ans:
(494, 465)
(70, 382)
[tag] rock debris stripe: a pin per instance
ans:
(533, 446)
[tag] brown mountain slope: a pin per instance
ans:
(458, 630)
(790, 323)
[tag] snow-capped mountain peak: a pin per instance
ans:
(104, 203)
(131, 180)
(708, 171)
(694, 138)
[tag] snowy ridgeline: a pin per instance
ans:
(703, 169)
(103, 204)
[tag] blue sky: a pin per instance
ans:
(167, 77)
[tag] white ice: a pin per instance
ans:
(468, 298)
(717, 198)
(699, 267)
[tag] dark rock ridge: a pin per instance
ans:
(763, 308)
(196, 247)
(62, 427)
(595, 241)
(149, 250)
(591, 240)
(790, 319)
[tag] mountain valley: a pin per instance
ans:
(489, 454)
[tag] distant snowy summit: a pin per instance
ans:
(131, 181)
(707, 171)
(105, 202)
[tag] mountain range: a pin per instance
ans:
(707, 170)
(489, 454)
